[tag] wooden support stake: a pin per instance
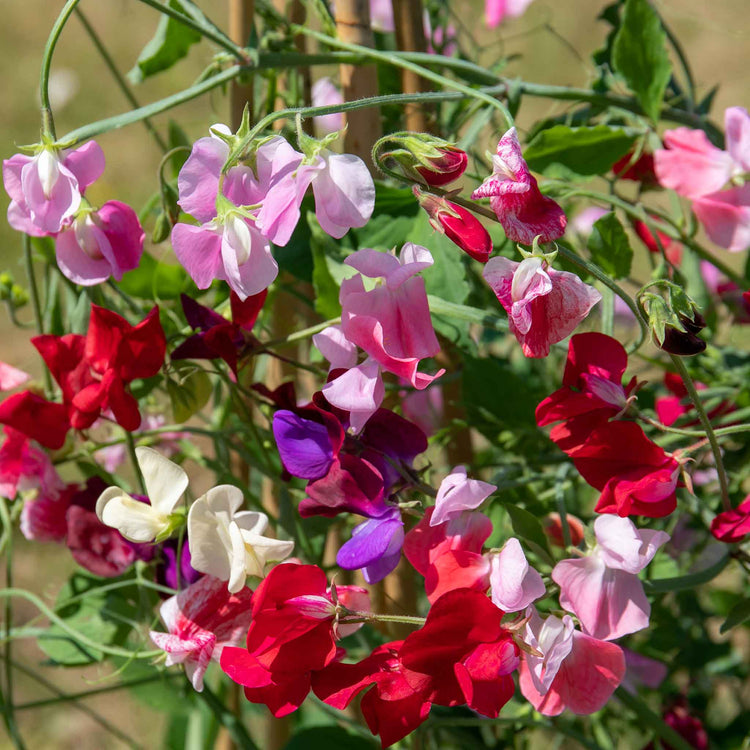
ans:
(358, 81)
(408, 17)
(240, 93)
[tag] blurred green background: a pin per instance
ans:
(552, 43)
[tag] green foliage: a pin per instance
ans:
(190, 392)
(156, 280)
(528, 527)
(564, 151)
(610, 248)
(326, 738)
(640, 56)
(171, 42)
(739, 614)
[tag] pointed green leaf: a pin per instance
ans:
(640, 56)
(189, 395)
(561, 150)
(610, 248)
(739, 613)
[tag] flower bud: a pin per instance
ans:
(675, 324)
(445, 168)
(458, 224)
(421, 157)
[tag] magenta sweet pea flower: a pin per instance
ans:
(495, 11)
(201, 620)
(46, 189)
(516, 199)
(574, 671)
(603, 589)
(456, 494)
(25, 466)
(391, 322)
(100, 244)
(543, 305)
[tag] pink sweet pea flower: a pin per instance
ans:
(516, 199)
(201, 621)
(46, 189)
(11, 377)
(726, 217)
(456, 494)
(543, 305)
(391, 322)
(603, 589)
(325, 94)
(514, 584)
(575, 671)
(24, 466)
(497, 10)
(733, 525)
(100, 244)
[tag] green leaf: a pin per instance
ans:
(170, 43)
(190, 395)
(154, 280)
(528, 527)
(690, 581)
(326, 287)
(610, 248)
(562, 150)
(640, 56)
(739, 613)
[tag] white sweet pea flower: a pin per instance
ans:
(140, 522)
(228, 543)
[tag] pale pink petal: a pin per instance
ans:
(371, 263)
(78, 265)
(692, 165)
(381, 16)
(198, 181)
(553, 638)
(498, 273)
(336, 348)
(458, 493)
(249, 267)
(86, 163)
(326, 94)
(530, 281)
(413, 259)
(624, 547)
(199, 251)
(359, 391)
(50, 190)
(726, 217)
(514, 583)
(280, 211)
(11, 377)
(344, 194)
(737, 134)
(12, 169)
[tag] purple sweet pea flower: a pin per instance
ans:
(304, 446)
(375, 546)
(166, 570)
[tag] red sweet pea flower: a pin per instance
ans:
(293, 633)
(36, 418)
(733, 525)
(464, 652)
(93, 372)
(635, 475)
(397, 703)
(592, 383)
(640, 170)
(670, 408)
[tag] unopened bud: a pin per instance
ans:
(421, 157)
(445, 168)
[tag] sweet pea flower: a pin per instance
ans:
(99, 244)
(714, 179)
(457, 493)
(325, 93)
(497, 10)
(516, 199)
(228, 543)
(514, 584)
(46, 189)
(201, 621)
(391, 323)
(543, 305)
(11, 377)
(733, 525)
(144, 522)
(574, 671)
(24, 466)
(603, 589)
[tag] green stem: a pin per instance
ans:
(79, 637)
(48, 123)
(305, 333)
(228, 720)
(207, 30)
(400, 62)
(149, 110)
(119, 78)
(710, 434)
(375, 617)
(130, 442)
(35, 303)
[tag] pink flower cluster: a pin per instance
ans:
(47, 199)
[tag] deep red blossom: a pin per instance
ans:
(449, 555)
(733, 525)
(652, 240)
(464, 652)
(292, 634)
(640, 170)
(94, 371)
(670, 408)
(445, 168)
(394, 707)
(217, 337)
(37, 418)
(636, 477)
